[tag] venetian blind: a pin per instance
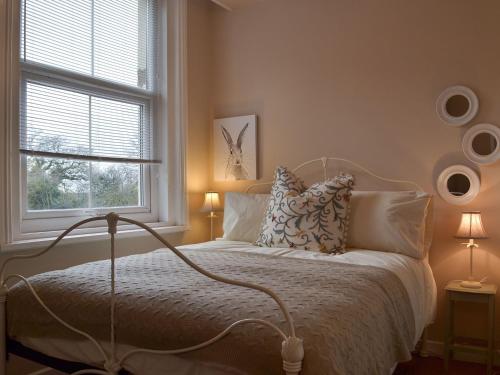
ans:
(88, 79)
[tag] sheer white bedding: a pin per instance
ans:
(415, 275)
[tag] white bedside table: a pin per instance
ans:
(486, 294)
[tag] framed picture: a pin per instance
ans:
(235, 148)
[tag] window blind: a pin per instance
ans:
(89, 79)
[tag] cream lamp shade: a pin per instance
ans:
(212, 202)
(471, 226)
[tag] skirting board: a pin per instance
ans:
(436, 349)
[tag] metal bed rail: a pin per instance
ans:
(292, 351)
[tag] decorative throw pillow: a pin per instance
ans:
(314, 218)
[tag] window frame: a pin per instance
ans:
(147, 188)
(165, 206)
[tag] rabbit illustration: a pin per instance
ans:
(234, 164)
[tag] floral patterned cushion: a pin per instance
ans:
(314, 218)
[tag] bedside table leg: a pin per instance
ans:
(491, 333)
(449, 331)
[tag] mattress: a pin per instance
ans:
(415, 276)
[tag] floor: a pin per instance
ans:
(428, 366)
(418, 366)
(435, 366)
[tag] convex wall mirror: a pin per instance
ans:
(457, 105)
(481, 144)
(458, 184)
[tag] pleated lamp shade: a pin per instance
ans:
(471, 226)
(212, 202)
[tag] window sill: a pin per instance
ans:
(21, 245)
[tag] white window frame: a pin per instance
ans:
(32, 221)
(165, 203)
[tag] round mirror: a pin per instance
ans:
(457, 105)
(484, 144)
(481, 143)
(458, 184)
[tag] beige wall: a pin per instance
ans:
(359, 79)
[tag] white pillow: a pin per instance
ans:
(398, 222)
(243, 215)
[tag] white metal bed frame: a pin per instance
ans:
(292, 350)
(324, 164)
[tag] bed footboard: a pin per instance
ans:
(292, 351)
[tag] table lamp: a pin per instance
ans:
(211, 204)
(471, 228)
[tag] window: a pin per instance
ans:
(82, 150)
(91, 130)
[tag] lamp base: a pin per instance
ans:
(471, 284)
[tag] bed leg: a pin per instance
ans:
(424, 352)
(3, 331)
(292, 352)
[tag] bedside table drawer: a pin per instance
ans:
(469, 297)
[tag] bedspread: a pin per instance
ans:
(353, 319)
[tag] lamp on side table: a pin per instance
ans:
(471, 228)
(211, 204)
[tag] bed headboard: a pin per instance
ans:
(326, 167)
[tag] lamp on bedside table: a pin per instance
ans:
(211, 204)
(471, 228)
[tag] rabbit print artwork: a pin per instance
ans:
(235, 148)
(234, 165)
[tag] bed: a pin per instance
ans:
(303, 312)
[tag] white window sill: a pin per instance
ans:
(21, 245)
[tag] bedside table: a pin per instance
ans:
(486, 294)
